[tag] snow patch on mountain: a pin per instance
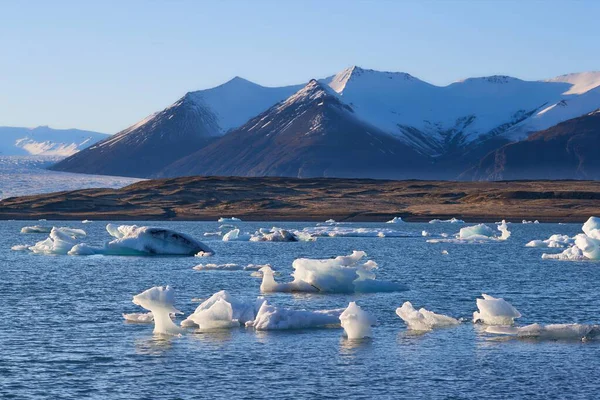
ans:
(45, 141)
(582, 82)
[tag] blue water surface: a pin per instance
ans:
(62, 334)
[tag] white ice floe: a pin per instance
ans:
(357, 322)
(330, 221)
(218, 267)
(586, 246)
(495, 311)
(222, 311)
(549, 332)
(140, 318)
(279, 235)
(423, 320)
(345, 231)
(144, 240)
(86, 221)
(425, 233)
(60, 241)
(271, 317)
(223, 229)
(554, 241)
(160, 301)
(343, 274)
(231, 219)
(445, 252)
(530, 222)
(36, 229)
(480, 233)
(395, 220)
(447, 221)
(20, 247)
(235, 235)
(203, 254)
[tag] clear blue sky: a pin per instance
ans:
(103, 65)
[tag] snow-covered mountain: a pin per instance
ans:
(186, 126)
(311, 134)
(45, 141)
(436, 119)
(454, 125)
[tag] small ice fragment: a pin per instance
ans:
(232, 219)
(140, 318)
(395, 220)
(444, 252)
(423, 320)
(160, 301)
(277, 318)
(495, 311)
(356, 322)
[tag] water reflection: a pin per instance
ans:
(156, 344)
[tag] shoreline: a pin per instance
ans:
(315, 200)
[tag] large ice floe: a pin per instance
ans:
(271, 317)
(36, 229)
(357, 322)
(447, 221)
(495, 311)
(161, 302)
(347, 231)
(267, 235)
(422, 319)
(477, 234)
(128, 240)
(580, 332)
(554, 241)
(586, 245)
(222, 311)
(228, 219)
(343, 274)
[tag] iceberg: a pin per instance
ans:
(235, 235)
(447, 221)
(495, 311)
(339, 231)
(160, 301)
(142, 241)
(60, 241)
(395, 220)
(586, 246)
(581, 332)
(554, 241)
(36, 229)
(231, 219)
(423, 320)
(476, 234)
(278, 318)
(357, 322)
(277, 235)
(343, 274)
(222, 311)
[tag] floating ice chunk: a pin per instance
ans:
(235, 235)
(160, 301)
(279, 235)
(530, 222)
(212, 313)
(217, 267)
(20, 247)
(277, 318)
(570, 254)
(447, 221)
(554, 241)
(343, 274)
(60, 241)
(503, 228)
(86, 221)
(395, 220)
(144, 240)
(423, 320)
(339, 231)
(357, 322)
(476, 232)
(36, 229)
(549, 332)
(445, 252)
(232, 219)
(495, 311)
(140, 318)
(586, 246)
(425, 234)
(203, 254)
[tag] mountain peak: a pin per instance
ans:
(340, 81)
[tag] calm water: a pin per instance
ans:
(62, 334)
